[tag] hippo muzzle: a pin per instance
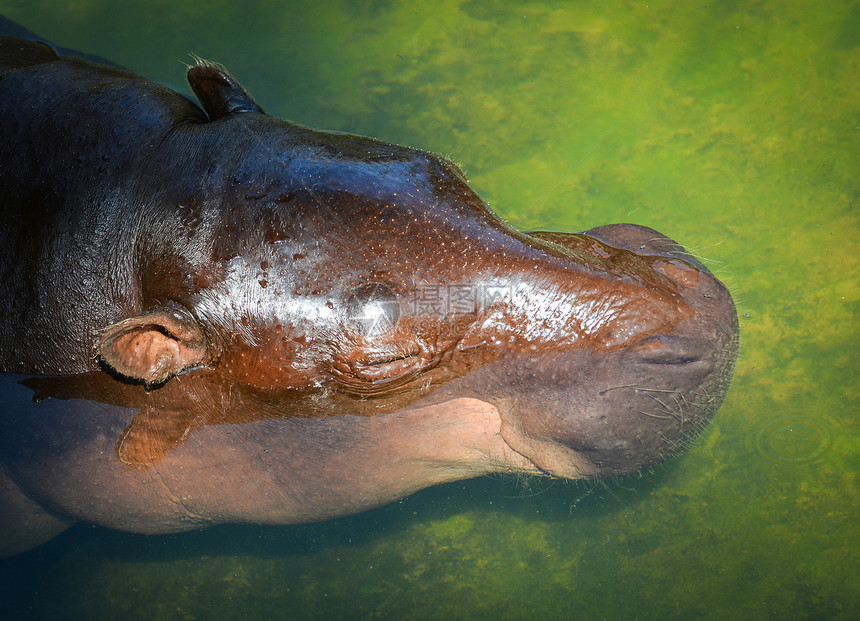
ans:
(603, 412)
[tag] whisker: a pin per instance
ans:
(649, 414)
(603, 392)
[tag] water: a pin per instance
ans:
(732, 127)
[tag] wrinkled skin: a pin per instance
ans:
(213, 315)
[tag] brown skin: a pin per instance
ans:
(260, 322)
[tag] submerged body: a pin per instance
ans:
(215, 315)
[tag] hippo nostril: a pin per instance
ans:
(670, 358)
(666, 350)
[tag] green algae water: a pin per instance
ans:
(732, 127)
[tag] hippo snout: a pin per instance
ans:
(590, 412)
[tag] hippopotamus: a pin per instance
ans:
(212, 315)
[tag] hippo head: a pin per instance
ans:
(333, 275)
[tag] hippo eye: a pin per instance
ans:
(387, 365)
(380, 370)
(377, 353)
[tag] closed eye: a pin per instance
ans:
(378, 358)
(385, 366)
(381, 369)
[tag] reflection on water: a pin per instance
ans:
(167, 415)
(734, 132)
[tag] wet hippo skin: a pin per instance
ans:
(213, 315)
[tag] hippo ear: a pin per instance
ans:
(154, 346)
(15, 52)
(219, 93)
